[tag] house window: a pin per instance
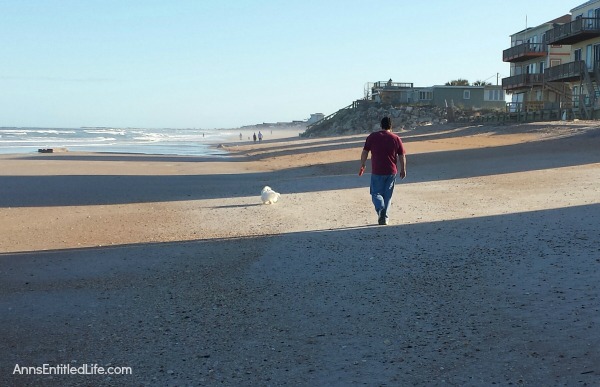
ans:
(577, 54)
(466, 94)
(425, 95)
(494, 95)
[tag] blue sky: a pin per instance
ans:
(223, 64)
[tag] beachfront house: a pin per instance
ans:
(529, 56)
(557, 64)
(467, 97)
(315, 117)
(392, 93)
(581, 70)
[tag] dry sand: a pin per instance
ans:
(488, 273)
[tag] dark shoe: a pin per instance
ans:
(382, 219)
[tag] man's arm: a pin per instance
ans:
(402, 160)
(363, 157)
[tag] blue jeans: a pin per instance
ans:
(382, 188)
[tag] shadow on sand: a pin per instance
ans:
(457, 302)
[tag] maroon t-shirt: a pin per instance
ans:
(384, 147)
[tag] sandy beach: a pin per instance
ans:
(488, 273)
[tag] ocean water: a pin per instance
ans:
(191, 142)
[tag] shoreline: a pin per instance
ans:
(232, 143)
(168, 146)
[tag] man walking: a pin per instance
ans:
(387, 151)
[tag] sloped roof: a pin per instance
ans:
(561, 20)
(584, 5)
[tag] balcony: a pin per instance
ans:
(525, 51)
(522, 81)
(566, 72)
(392, 85)
(578, 30)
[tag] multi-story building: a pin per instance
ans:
(529, 56)
(580, 72)
(556, 65)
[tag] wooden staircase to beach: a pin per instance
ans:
(322, 122)
(566, 97)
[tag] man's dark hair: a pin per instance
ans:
(386, 123)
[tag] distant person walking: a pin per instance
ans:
(240, 137)
(254, 136)
(260, 136)
(387, 151)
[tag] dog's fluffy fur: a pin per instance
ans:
(268, 196)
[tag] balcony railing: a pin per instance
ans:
(524, 52)
(522, 81)
(565, 72)
(392, 85)
(576, 31)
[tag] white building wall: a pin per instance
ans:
(584, 9)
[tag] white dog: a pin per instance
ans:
(268, 196)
